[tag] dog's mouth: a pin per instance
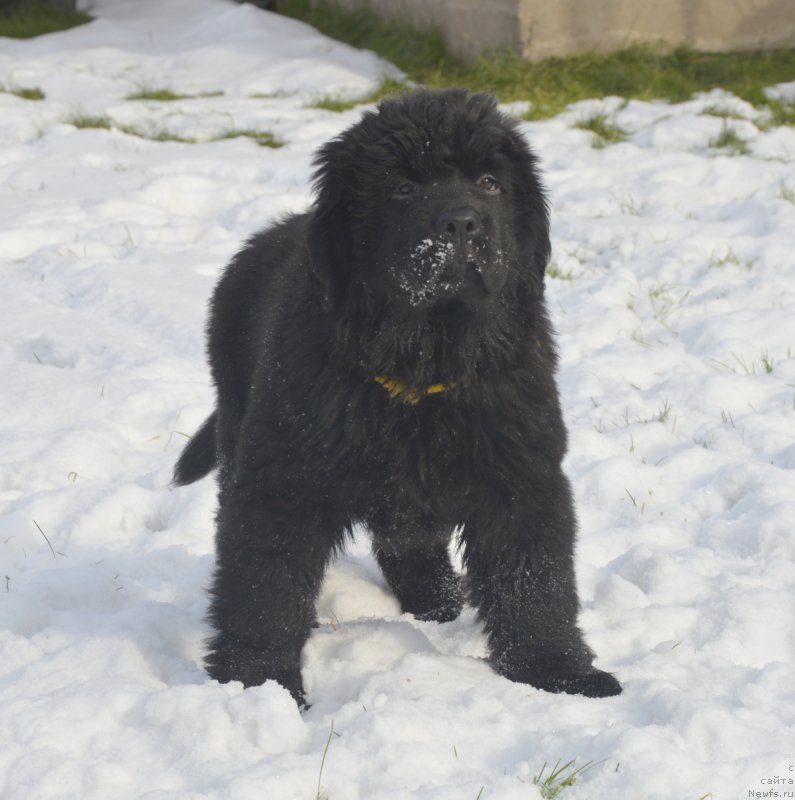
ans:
(440, 271)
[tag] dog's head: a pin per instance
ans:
(433, 201)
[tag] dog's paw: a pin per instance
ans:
(444, 613)
(252, 668)
(564, 677)
(441, 602)
(590, 684)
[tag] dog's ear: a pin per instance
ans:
(329, 226)
(327, 248)
(532, 206)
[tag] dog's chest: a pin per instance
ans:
(428, 453)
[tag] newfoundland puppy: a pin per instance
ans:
(386, 359)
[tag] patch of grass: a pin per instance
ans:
(554, 271)
(105, 123)
(336, 104)
(88, 121)
(664, 413)
(724, 112)
(663, 303)
(387, 87)
(157, 136)
(728, 139)
(644, 73)
(415, 52)
(629, 204)
(780, 113)
(559, 778)
(84, 121)
(604, 130)
(767, 364)
(167, 96)
(34, 19)
(25, 94)
(787, 193)
(729, 257)
(262, 138)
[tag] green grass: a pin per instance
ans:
(156, 136)
(85, 121)
(25, 94)
(91, 122)
(262, 138)
(559, 778)
(728, 257)
(643, 73)
(766, 364)
(663, 302)
(554, 271)
(664, 413)
(414, 52)
(46, 538)
(321, 794)
(605, 132)
(724, 112)
(88, 121)
(387, 87)
(27, 21)
(167, 96)
(781, 113)
(729, 140)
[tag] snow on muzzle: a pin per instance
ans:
(440, 268)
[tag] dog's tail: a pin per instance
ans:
(198, 458)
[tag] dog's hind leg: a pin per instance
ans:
(229, 418)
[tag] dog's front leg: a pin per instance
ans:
(412, 550)
(270, 562)
(520, 561)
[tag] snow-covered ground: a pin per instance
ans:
(673, 290)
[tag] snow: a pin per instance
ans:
(672, 288)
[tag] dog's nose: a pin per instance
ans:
(459, 224)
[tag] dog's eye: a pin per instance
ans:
(405, 189)
(488, 183)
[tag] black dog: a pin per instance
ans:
(386, 358)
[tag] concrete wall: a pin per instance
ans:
(563, 27)
(542, 28)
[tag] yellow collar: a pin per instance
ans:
(397, 388)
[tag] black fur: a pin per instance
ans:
(198, 458)
(420, 263)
